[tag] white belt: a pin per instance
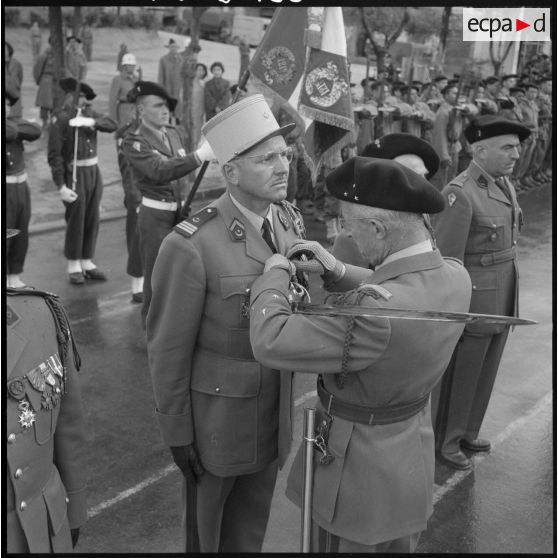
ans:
(86, 162)
(156, 204)
(16, 178)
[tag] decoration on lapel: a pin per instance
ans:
(16, 388)
(26, 416)
(136, 145)
(182, 152)
(237, 230)
(482, 181)
(451, 199)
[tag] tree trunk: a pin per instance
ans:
(444, 32)
(76, 21)
(196, 23)
(57, 46)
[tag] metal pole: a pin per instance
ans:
(308, 472)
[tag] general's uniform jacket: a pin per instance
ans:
(379, 486)
(480, 226)
(159, 172)
(208, 388)
(62, 137)
(47, 459)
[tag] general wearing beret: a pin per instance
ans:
(69, 85)
(393, 145)
(489, 126)
(384, 184)
(142, 88)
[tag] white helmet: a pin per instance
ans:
(129, 59)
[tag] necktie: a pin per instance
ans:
(504, 187)
(166, 140)
(266, 234)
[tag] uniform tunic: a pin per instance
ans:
(43, 71)
(480, 226)
(159, 174)
(45, 462)
(208, 388)
(379, 486)
(120, 109)
(18, 197)
(13, 74)
(82, 215)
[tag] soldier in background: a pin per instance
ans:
(18, 197)
(121, 110)
(421, 117)
(189, 75)
(13, 74)
(530, 111)
(480, 226)
(542, 156)
(489, 99)
(76, 64)
(82, 197)
(170, 75)
(36, 40)
(86, 36)
(43, 72)
(45, 425)
(121, 52)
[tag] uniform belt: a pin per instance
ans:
(16, 178)
(86, 162)
(369, 415)
(156, 204)
(490, 259)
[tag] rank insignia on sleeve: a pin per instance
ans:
(237, 231)
(136, 145)
(451, 199)
(190, 226)
(182, 152)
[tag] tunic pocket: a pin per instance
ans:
(488, 234)
(485, 299)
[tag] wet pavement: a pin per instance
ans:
(504, 505)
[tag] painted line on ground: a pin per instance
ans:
(460, 476)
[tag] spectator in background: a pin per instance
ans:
(189, 67)
(488, 99)
(13, 74)
(217, 91)
(121, 110)
(43, 71)
(86, 36)
(123, 50)
(198, 103)
(530, 110)
(170, 75)
(542, 157)
(36, 40)
(76, 64)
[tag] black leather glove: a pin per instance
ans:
(187, 460)
(75, 536)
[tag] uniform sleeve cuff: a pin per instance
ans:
(176, 429)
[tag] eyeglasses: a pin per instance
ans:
(269, 159)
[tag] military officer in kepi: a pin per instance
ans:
(72, 156)
(45, 425)
(374, 492)
(18, 196)
(480, 226)
(157, 155)
(226, 418)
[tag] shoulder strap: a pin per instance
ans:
(190, 226)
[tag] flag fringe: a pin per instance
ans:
(337, 120)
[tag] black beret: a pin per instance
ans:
(491, 79)
(384, 184)
(142, 88)
(439, 78)
(508, 76)
(417, 83)
(517, 89)
(70, 37)
(448, 87)
(489, 126)
(69, 85)
(452, 82)
(530, 85)
(393, 145)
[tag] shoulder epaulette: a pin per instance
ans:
(459, 180)
(190, 226)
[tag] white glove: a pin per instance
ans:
(319, 259)
(82, 122)
(278, 260)
(204, 152)
(67, 195)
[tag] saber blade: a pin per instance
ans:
(406, 314)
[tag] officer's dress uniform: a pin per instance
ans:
(376, 494)
(82, 215)
(46, 449)
(480, 226)
(208, 388)
(159, 171)
(18, 196)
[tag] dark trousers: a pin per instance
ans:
(460, 400)
(18, 214)
(134, 266)
(153, 226)
(232, 512)
(326, 542)
(82, 215)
